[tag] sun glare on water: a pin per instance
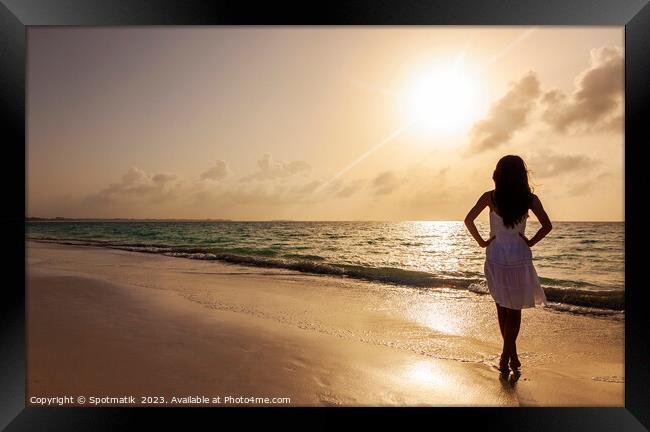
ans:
(442, 99)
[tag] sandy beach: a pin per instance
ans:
(104, 322)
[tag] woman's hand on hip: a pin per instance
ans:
(484, 243)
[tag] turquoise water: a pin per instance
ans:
(580, 264)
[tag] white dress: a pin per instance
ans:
(511, 276)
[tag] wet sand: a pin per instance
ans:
(115, 323)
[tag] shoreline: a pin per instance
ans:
(156, 325)
(602, 303)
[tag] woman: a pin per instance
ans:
(511, 276)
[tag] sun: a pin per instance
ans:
(442, 99)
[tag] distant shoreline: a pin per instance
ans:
(62, 219)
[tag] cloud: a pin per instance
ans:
(270, 169)
(308, 187)
(596, 102)
(350, 188)
(139, 192)
(385, 183)
(507, 115)
(271, 193)
(548, 164)
(163, 178)
(218, 172)
(158, 195)
(589, 185)
(594, 105)
(136, 185)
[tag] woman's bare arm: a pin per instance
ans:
(546, 227)
(473, 214)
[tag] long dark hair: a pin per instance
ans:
(512, 194)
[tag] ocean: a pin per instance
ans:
(581, 265)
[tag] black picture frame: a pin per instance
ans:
(17, 15)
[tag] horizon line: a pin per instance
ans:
(59, 219)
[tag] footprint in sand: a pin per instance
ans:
(328, 400)
(610, 379)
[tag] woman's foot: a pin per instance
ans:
(515, 364)
(503, 364)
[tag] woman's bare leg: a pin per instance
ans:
(512, 325)
(502, 314)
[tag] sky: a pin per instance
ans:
(321, 123)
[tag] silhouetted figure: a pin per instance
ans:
(509, 271)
